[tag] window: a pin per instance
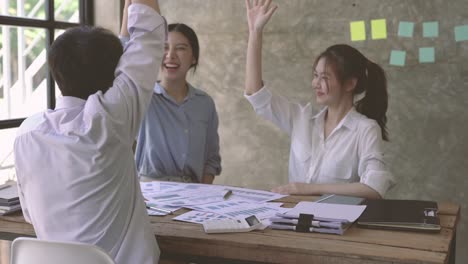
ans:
(27, 29)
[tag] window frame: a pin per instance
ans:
(86, 17)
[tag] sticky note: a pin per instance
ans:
(379, 29)
(431, 29)
(398, 57)
(461, 33)
(426, 55)
(405, 29)
(358, 30)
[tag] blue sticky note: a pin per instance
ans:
(427, 55)
(398, 57)
(405, 29)
(431, 29)
(461, 33)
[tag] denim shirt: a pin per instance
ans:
(179, 139)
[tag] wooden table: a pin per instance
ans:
(182, 242)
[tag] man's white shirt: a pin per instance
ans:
(75, 167)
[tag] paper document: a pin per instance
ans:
(349, 213)
(198, 217)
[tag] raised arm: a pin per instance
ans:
(152, 3)
(125, 103)
(258, 14)
(123, 29)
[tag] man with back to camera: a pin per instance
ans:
(76, 172)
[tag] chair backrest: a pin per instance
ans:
(34, 251)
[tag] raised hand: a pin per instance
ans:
(259, 13)
(152, 3)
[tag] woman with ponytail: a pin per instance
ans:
(339, 149)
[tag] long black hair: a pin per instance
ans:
(349, 63)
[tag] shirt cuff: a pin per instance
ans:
(211, 171)
(260, 98)
(143, 17)
(380, 181)
(124, 40)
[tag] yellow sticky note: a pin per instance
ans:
(379, 29)
(358, 30)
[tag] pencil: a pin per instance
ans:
(227, 195)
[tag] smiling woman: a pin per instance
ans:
(178, 139)
(338, 149)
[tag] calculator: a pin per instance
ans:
(232, 225)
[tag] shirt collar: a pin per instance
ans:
(348, 121)
(69, 102)
(158, 89)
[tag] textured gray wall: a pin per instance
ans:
(427, 124)
(107, 14)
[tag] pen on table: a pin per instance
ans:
(4, 186)
(159, 210)
(227, 195)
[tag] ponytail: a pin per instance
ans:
(371, 81)
(375, 102)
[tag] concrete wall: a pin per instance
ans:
(107, 14)
(427, 124)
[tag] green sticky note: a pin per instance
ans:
(461, 33)
(398, 57)
(431, 29)
(427, 55)
(358, 30)
(379, 29)
(405, 29)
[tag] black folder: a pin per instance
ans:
(411, 215)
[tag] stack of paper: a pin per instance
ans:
(208, 201)
(9, 199)
(324, 218)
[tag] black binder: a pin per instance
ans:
(411, 215)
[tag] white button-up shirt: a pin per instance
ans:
(351, 153)
(76, 173)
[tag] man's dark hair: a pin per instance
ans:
(83, 60)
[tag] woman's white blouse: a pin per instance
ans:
(351, 153)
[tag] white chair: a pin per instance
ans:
(34, 251)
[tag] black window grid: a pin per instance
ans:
(86, 17)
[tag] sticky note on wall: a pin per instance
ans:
(357, 30)
(379, 28)
(405, 29)
(427, 55)
(431, 29)
(461, 33)
(398, 57)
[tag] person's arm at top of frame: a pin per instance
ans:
(126, 102)
(123, 29)
(258, 14)
(151, 3)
